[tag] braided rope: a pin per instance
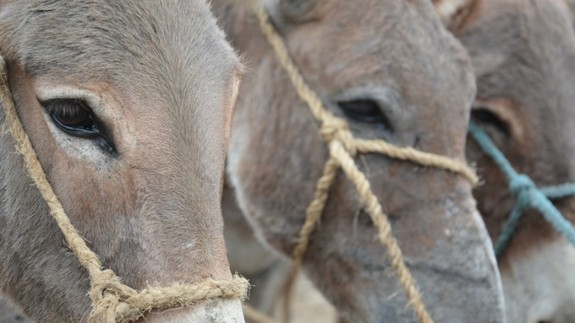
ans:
(528, 196)
(380, 220)
(315, 210)
(342, 146)
(112, 300)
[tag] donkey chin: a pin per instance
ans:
(212, 311)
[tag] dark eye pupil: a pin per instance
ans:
(364, 110)
(360, 108)
(484, 116)
(73, 116)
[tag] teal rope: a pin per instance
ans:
(528, 196)
(558, 191)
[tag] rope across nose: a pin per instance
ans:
(343, 146)
(112, 301)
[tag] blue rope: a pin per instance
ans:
(558, 191)
(528, 196)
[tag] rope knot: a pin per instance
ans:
(337, 129)
(105, 309)
(106, 282)
(107, 294)
(521, 184)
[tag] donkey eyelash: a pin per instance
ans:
(75, 118)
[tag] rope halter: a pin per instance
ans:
(342, 148)
(112, 301)
(528, 196)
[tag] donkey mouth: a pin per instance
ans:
(375, 265)
(448, 251)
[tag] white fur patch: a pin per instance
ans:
(225, 311)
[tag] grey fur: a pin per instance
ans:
(397, 54)
(166, 78)
(523, 52)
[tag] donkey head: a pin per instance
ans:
(128, 106)
(523, 53)
(392, 71)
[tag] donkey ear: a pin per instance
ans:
(454, 12)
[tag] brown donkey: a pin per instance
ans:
(392, 70)
(523, 53)
(128, 106)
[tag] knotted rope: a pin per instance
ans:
(528, 196)
(112, 301)
(342, 148)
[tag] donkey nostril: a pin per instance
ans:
(545, 321)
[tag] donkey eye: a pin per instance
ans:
(75, 118)
(485, 116)
(70, 114)
(364, 110)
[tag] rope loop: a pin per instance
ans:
(106, 283)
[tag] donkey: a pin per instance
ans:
(393, 72)
(128, 105)
(523, 54)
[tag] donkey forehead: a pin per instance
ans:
(400, 43)
(121, 41)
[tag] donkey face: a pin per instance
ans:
(390, 69)
(523, 53)
(127, 104)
